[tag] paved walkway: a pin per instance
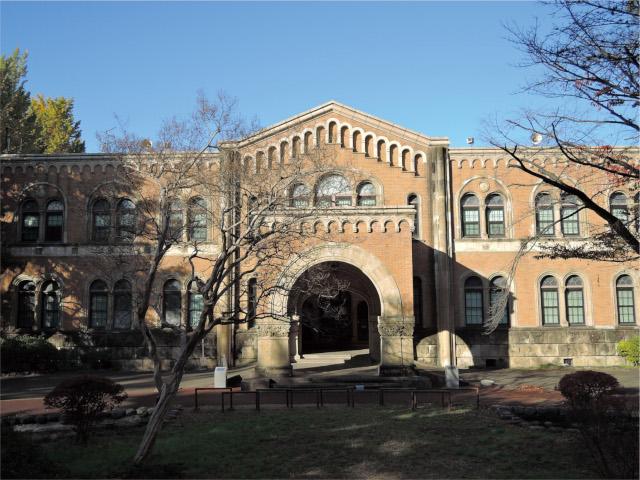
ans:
(24, 394)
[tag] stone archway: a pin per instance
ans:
(395, 329)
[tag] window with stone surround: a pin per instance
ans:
(574, 299)
(366, 195)
(549, 301)
(171, 302)
(98, 304)
(470, 214)
(30, 221)
(569, 220)
(100, 220)
(122, 305)
(544, 215)
(625, 300)
(333, 190)
(495, 215)
(473, 303)
(50, 305)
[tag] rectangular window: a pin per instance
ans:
(30, 227)
(199, 227)
(53, 232)
(343, 201)
(471, 222)
(550, 311)
(473, 307)
(544, 221)
(367, 201)
(626, 312)
(122, 311)
(495, 298)
(196, 305)
(50, 311)
(575, 307)
(570, 224)
(98, 312)
(101, 224)
(495, 218)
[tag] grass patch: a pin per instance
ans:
(335, 443)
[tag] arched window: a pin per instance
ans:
(174, 211)
(126, 220)
(252, 301)
(30, 221)
(50, 305)
(333, 190)
(495, 215)
(549, 301)
(544, 215)
(569, 215)
(101, 220)
(171, 302)
(473, 304)
(417, 300)
(54, 221)
(122, 305)
(574, 298)
(26, 304)
(196, 304)
(498, 296)
(198, 219)
(470, 216)
(625, 300)
(300, 194)
(98, 304)
(366, 195)
(619, 207)
(414, 201)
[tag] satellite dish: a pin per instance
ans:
(536, 138)
(470, 140)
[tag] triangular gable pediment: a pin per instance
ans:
(356, 119)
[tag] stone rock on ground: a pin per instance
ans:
(486, 382)
(142, 411)
(130, 411)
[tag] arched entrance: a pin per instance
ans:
(338, 308)
(391, 343)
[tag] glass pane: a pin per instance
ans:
(621, 213)
(624, 280)
(473, 307)
(366, 189)
(550, 314)
(31, 220)
(494, 200)
(470, 201)
(367, 201)
(98, 310)
(343, 201)
(575, 307)
(300, 202)
(196, 305)
(54, 219)
(544, 218)
(55, 206)
(570, 224)
(172, 305)
(626, 307)
(333, 185)
(122, 309)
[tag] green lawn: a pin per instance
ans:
(337, 443)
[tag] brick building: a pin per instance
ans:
(424, 235)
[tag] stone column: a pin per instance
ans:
(273, 348)
(396, 344)
(443, 255)
(293, 339)
(374, 338)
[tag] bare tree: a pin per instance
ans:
(590, 60)
(255, 212)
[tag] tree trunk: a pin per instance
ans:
(155, 421)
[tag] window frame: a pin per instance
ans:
(555, 289)
(94, 215)
(26, 291)
(549, 229)
(34, 212)
(465, 223)
(568, 290)
(120, 291)
(571, 219)
(98, 290)
(632, 306)
(489, 209)
(475, 290)
(55, 295)
(198, 219)
(54, 233)
(175, 294)
(366, 199)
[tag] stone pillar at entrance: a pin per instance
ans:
(374, 338)
(294, 334)
(273, 347)
(396, 344)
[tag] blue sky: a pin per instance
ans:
(439, 68)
